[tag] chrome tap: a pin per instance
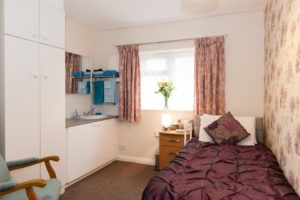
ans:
(75, 114)
(91, 111)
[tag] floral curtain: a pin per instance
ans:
(72, 65)
(210, 75)
(130, 94)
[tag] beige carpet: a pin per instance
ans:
(117, 181)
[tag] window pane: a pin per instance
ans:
(177, 67)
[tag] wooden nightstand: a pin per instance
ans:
(170, 143)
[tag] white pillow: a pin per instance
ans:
(247, 122)
(206, 120)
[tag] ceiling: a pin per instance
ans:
(115, 14)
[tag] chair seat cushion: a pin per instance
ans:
(50, 192)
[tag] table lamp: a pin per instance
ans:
(166, 120)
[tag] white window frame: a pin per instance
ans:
(169, 71)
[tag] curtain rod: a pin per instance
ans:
(168, 41)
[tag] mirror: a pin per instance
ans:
(77, 73)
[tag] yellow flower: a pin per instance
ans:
(160, 84)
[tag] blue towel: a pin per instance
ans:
(110, 73)
(81, 74)
(98, 74)
(84, 87)
(110, 92)
(98, 92)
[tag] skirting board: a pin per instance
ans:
(135, 159)
(88, 174)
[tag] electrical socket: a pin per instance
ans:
(122, 147)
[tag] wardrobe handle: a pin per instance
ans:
(45, 77)
(35, 76)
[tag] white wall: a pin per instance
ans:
(244, 68)
(79, 40)
(2, 128)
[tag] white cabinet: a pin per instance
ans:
(52, 26)
(22, 18)
(34, 85)
(36, 20)
(22, 114)
(91, 146)
(52, 101)
(33, 74)
(81, 151)
(107, 140)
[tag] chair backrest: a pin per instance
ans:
(4, 172)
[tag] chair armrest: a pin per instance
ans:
(28, 186)
(19, 163)
(13, 166)
(7, 185)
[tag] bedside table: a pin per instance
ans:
(170, 143)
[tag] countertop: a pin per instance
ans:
(70, 122)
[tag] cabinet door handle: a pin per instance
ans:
(45, 77)
(172, 153)
(35, 76)
(173, 140)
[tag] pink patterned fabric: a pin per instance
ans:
(210, 75)
(72, 65)
(282, 85)
(130, 84)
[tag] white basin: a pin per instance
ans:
(93, 117)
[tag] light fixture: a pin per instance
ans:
(166, 120)
(198, 6)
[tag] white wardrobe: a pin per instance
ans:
(33, 83)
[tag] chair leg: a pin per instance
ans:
(31, 194)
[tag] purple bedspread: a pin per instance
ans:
(204, 171)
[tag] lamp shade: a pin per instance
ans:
(166, 120)
(198, 6)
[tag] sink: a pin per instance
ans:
(93, 117)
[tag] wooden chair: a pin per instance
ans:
(37, 189)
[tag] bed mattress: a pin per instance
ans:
(205, 171)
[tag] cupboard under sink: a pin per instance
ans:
(90, 147)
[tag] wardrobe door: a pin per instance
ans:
(22, 18)
(22, 105)
(52, 23)
(53, 132)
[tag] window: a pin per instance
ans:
(175, 66)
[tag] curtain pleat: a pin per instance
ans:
(210, 75)
(130, 84)
(72, 65)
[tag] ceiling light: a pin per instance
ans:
(198, 6)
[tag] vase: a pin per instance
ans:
(166, 102)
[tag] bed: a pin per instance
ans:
(208, 171)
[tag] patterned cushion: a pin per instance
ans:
(226, 130)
